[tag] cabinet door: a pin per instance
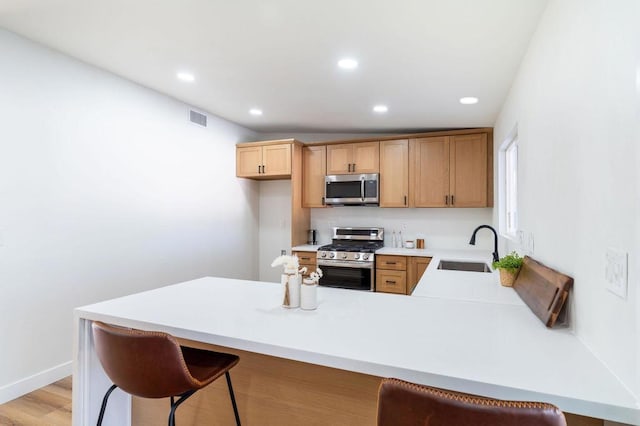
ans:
(248, 161)
(468, 170)
(314, 168)
(339, 159)
(415, 269)
(394, 173)
(366, 157)
(430, 172)
(276, 160)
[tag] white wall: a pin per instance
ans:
(576, 101)
(274, 232)
(106, 189)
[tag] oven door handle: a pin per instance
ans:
(352, 264)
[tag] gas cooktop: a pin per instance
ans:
(353, 244)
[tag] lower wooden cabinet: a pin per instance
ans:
(416, 267)
(399, 274)
(308, 259)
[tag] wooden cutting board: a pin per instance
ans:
(543, 289)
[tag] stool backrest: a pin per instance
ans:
(402, 404)
(142, 363)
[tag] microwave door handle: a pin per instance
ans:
(362, 188)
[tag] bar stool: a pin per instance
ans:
(402, 403)
(152, 364)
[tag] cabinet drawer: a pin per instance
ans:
(391, 281)
(306, 257)
(396, 263)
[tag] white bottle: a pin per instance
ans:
(394, 242)
(400, 242)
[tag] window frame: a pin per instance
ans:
(508, 200)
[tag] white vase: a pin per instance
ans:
(291, 289)
(309, 295)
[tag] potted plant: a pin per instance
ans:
(509, 267)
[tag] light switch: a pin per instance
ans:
(616, 272)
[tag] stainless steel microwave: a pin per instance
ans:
(351, 190)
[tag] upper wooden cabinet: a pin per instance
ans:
(469, 171)
(269, 161)
(451, 171)
(353, 158)
(430, 172)
(394, 173)
(314, 169)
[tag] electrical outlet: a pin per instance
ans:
(530, 245)
(616, 272)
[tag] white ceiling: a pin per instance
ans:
(416, 56)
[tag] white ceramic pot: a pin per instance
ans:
(309, 295)
(290, 289)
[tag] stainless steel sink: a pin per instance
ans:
(455, 265)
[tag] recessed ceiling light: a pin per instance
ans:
(185, 76)
(348, 64)
(469, 100)
(255, 111)
(380, 109)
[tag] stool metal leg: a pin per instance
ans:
(233, 398)
(176, 404)
(104, 404)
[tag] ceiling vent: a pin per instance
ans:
(198, 118)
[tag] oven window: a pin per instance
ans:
(344, 189)
(354, 278)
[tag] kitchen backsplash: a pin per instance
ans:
(441, 228)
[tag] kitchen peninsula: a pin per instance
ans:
(323, 366)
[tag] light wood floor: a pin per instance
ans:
(48, 406)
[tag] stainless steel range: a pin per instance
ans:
(349, 262)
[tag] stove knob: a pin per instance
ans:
(356, 256)
(323, 254)
(344, 255)
(365, 256)
(332, 255)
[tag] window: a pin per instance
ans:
(509, 186)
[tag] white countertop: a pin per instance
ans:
(497, 350)
(460, 285)
(307, 247)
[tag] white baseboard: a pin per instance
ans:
(29, 384)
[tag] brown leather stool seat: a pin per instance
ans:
(152, 364)
(402, 403)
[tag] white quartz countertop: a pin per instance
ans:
(497, 350)
(461, 285)
(307, 247)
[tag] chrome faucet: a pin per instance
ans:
(496, 257)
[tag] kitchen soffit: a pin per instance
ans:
(418, 57)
